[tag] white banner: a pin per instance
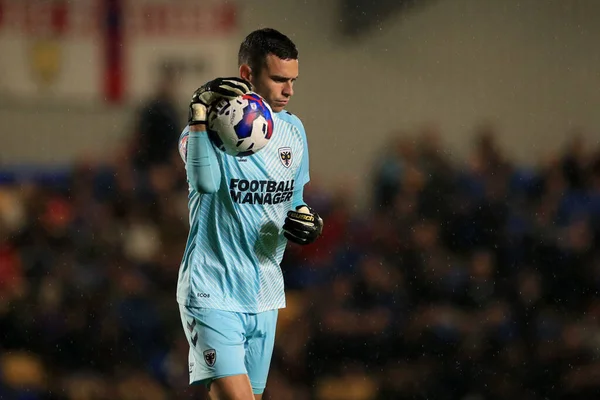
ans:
(59, 48)
(49, 48)
(198, 38)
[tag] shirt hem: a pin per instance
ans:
(240, 308)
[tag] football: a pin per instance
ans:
(241, 126)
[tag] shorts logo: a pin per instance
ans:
(285, 156)
(210, 356)
(190, 326)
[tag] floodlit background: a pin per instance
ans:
(455, 158)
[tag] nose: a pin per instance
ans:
(288, 89)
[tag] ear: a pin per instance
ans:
(246, 72)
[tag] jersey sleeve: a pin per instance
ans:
(201, 165)
(303, 174)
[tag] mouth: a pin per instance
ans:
(281, 102)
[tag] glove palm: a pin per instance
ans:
(213, 91)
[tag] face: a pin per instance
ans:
(275, 82)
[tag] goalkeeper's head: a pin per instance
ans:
(269, 60)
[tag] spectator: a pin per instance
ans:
(475, 281)
(158, 124)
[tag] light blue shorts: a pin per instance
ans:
(224, 343)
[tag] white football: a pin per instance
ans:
(241, 126)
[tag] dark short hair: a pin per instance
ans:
(262, 42)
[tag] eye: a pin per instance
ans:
(281, 79)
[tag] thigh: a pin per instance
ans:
(217, 344)
(259, 349)
(236, 387)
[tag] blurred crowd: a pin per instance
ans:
(464, 280)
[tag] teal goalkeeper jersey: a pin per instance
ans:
(236, 243)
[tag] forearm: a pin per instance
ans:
(202, 166)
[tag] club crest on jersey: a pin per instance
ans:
(210, 356)
(285, 156)
(183, 147)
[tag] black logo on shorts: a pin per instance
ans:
(210, 356)
(190, 326)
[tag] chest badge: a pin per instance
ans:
(285, 156)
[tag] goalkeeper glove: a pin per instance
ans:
(213, 91)
(303, 226)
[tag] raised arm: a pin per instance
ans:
(201, 164)
(202, 167)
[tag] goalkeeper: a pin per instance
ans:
(230, 283)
